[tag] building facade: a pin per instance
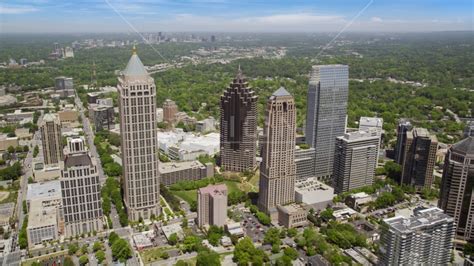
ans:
(278, 168)
(170, 109)
(419, 158)
(292, 215)
(80, 189)
(138, 130)
(457, 184)
(238, 126)
(326, 114)
(212, 205)
(102, 117)
(42, 224)
(304, 160)
(355, 160)
(174, 172)
(404, 126)
(50, 129)
(424, 239)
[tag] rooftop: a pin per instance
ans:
(49, 117)
(291, 208)
(135, 66)
(371, 121)
(178, 166)
(281, 92)
(313, 191)
(214, 189)
(40, 216)
(421, 219)
(464, 146)
(47, 189)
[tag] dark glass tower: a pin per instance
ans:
(238, 126)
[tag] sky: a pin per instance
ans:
(58, 16)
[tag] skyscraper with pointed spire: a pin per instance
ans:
(278, 168)
(238, 126)
(138, 127)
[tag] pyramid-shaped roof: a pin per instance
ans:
(465, 146)
(135, 66)
(281, 92)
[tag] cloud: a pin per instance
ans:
(376, 19)
(15, 10)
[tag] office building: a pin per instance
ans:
(326, 114)
(170, 109)
(403, 127)
(102, 117)
(138, 130)
(278, 168)
(355, 160)
(42, 224)
(238, 126)
(424, 239)
(64, 86)
(50, 128)
(80, 189)
(457, 184)
(212, 205)
(314, 193)
(174, 172)
(292, 215)
(419, 158)
(304, 160)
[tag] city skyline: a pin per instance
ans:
(220, 16)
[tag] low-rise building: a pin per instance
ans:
(23, 133)
(68, 116)
(234, 229)
(6, 142)
(19, 115)
(49, 193)
(313, 193)
(42, 224)
(141, 241)
(344, 214)
(206, 125)
(173, 172)
(292, 215)
(359, 201)
(43, 172)
(318, 260)
(6, 212)
(358, 258)
(367, 229)
(176, 228)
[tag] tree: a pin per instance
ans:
(181, 263)
(393, 170)
(112, 238)
(11, 149)
(291, 252)
(100, 256)
(173, 240)
(326, 215)
(292, 232)
(26, 148)
(246, 253)
(184, 222)
(84, 249)
(97, 246)
(35, 151)
(272, 236)
(191, 243)
(208, 257)
(468, 249)
(72, 248)
(121, 250)
(164, 255)
(83, 260)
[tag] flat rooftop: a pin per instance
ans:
(291, 208)
(314, 191)
(50, 189)
(214, 189)
(40, 216)
(178, 166)
(421, 219)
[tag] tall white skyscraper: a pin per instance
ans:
(138, 127)
(326, 114)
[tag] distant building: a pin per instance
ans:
(424, 239)
(419, 158)
(159, 114)
(304, 160)
(80, 188)
(173, 172)
(326, 114)
(68, 116)
(206, 125)
(292, 215)
(238, 126)
(278, 168)
(105, 102)
(23, 61)
(318, 260)
(469, 129)
(64, 86)
(42, 224)
(367, 123)
(93, 97)
(212, 205)
(456, 196)
(68, 52)
(313, 193)
(102, 117)
(50, 129)
(169, 111)
(404, 126)
(359, 201)
(355, 160)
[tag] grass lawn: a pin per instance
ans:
(153, 254)
(12, 197)
(4, 195)
(186, 195)
(44, 257)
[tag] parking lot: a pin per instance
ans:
(253, 228)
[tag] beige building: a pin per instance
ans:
(138, 130)
(173, 172)
(42, 224)
(212, 205)
(80, 189)
(6, 142)
(51, 139)
(278, 168)
(68, 116)
(170, 109)
(292, 215)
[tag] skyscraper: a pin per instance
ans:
(403, 127)
(80, 188)
(51, 139)
(169, 111)
(355, 160)
(424, 239)
(238, 126)
(419, 158)
(278, 168)
(212, 205)
(457, 184)
(138, 127)
(326, 114)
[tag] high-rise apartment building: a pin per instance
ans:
(424, 239)
(80, 189)
(50, 128)
(326, 114)
(278, 168)
(419, 158)
(170, 109)
(403, 127)
(355, 160)
(212, 205)
(457, 184)
(238, 126)
(138, 127)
